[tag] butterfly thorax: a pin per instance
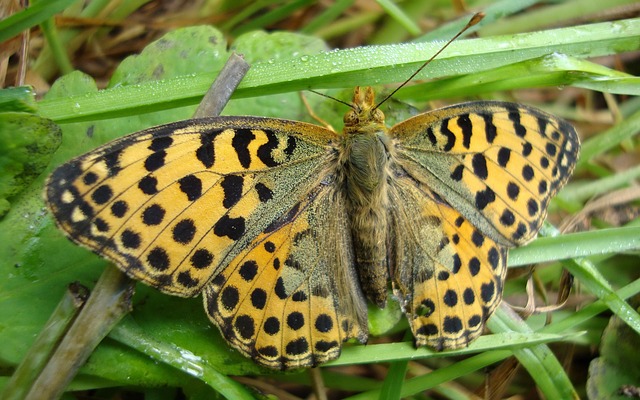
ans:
(365, 161)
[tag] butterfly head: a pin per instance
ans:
(364, 115)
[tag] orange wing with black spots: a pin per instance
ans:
(292, 297)
(447, 275)
(172, 205)
(497, 163)
(479, 178)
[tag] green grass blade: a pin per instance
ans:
(327, 16)
(270, 17)
(35, 14)
(493, 13)
(581, 244)
(399, 16)
(551, 70)
(590, 311)
(591, 279)
(361, 66)
(580, 191)
(552, 15)
(406, 350)
(609, 139)
(57, 48)
(128, 333)
(392, 386)
(542, 365)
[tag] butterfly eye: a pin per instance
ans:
(377, 116)
(350, 118)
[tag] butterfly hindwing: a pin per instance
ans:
(498, 163)
(291, 298)
(447, 275)
(172, 204)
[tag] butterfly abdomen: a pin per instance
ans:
(365, 169)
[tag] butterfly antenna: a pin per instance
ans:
(331, 97)
(477, 17)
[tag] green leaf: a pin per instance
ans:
(20, 98)
(617, 365)
(27, 143)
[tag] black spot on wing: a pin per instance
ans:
(153, 215)
(112, 161)
(102, 194)
(248, 270)
(191, 186)
(479, 164)
(265, 152)
(528, 173)
(514, 116)
(542, 124)
(464, 122)
(513, 190)
(205, 153)
(89, 178)
(101, 225)
(161, 143)
(184, 231)
(258, 298)
(201, 258)
(240, 143)
(451, 138)
(431, 136)
(148, 185)
(452, 324)
(504, 155)
(527, 148)
(119, 208)
(155, 161)
(507, 218)
(185, 279)
(264, 192)
(158, 259)
(233, 228)
(484, 197)
(271, 326)
(297, 347)
(490, 129)
(551, 149)
(456, 175)
(232, 187)
(130, 239)
(291, 146)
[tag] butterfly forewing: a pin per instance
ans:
(172, 204)
(497, 163)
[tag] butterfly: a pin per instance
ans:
(288, 229)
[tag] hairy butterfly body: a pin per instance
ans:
(288, 228)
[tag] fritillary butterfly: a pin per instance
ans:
(287, 228)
